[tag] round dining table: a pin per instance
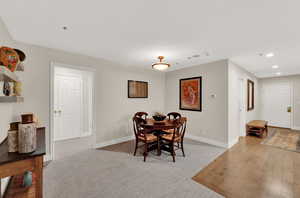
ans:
(160, 128)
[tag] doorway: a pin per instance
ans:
(276, 103)
(71, 110)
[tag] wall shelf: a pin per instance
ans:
(11, 99)
(7, 75)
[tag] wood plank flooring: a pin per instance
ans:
(250, 169)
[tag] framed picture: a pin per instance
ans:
(137, 89)
(250, 95)
(190, 94)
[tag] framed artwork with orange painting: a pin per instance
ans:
(191, 94)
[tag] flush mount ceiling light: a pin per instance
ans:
(275, 66)
(278, 73)
(269, 55)
(160, 65)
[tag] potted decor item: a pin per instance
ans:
(159, 117)
(9, 58)
(27, 138)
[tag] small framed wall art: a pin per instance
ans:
(190, 94)
(137, 89)
(250, 95)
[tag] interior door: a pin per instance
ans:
(67, 106)
(276, 103)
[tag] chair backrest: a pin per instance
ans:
(142, 115)
(180, 130)
(137, 128)
(173, 115)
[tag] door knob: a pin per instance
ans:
(289, 109)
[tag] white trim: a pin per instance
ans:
(296, 128)
(51, 139)
(114, 141)
(84, 68)
(47, 158)
(208, 141)
(233, 142)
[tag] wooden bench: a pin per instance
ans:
(258, 127)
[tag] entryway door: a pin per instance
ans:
(276, 103)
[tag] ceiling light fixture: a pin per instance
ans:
(275, 66)
(278, 73)
(160, 65)
(269, 55)
(64, 27)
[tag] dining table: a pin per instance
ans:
(160, 128)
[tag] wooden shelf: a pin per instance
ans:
(11, 99)
(7, 75)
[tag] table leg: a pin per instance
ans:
(38, 170)
(158, 146)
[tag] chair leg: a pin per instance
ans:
(136, 146)
(145, 152)
(173, 151)
(182, 149)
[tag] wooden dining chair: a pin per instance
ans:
(175, 140)
(142, 115)
(142, 135)
(173, 115)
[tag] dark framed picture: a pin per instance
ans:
(190, 94)
(137, 89)
(250, 95)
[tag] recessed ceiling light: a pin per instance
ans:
(278, 73)
(269, 55)
(275, 66)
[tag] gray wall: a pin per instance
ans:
(211, 123)
(113, 108)
(237, 119)
(5, 108)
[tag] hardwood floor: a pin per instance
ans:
(250, 169)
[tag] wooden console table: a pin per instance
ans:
(12, 164)
(257, 127)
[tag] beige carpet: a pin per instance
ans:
(284, 139)
(114, 172)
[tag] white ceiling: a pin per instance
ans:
(135, 32)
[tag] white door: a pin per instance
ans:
(275, 102)
(67, 106)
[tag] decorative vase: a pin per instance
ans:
(9, 58)
(12, 138)
(17, 88)
(27, 179)
(27, 138)
(6, 88)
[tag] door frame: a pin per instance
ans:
(50, 156)
(242, 105)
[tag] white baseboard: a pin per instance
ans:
(47, 158)
(208, 141)
(296, 128)
(114, 141)
(233, 142)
